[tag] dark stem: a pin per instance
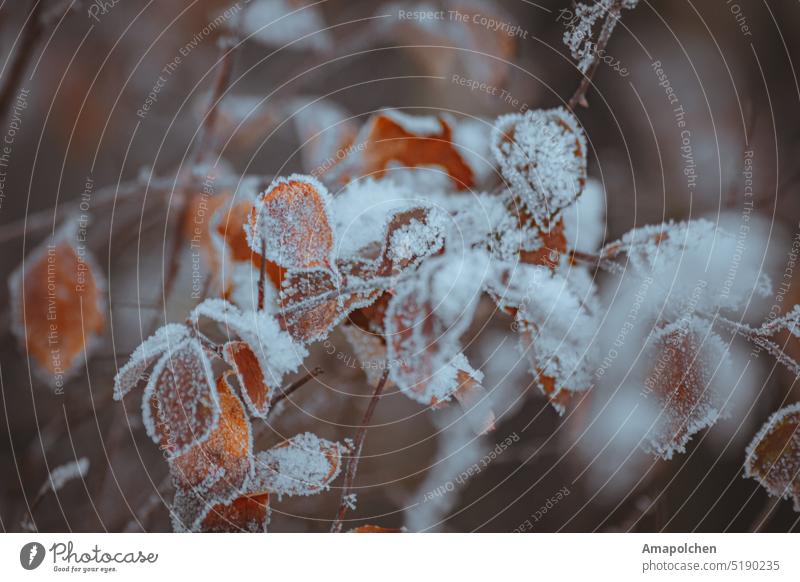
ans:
(31, 35)
(579, 97)
(262, 275)
(296, 385)
(352, 461)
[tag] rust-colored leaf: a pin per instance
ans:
(250, 374)
(246, 514)
(57, 306)
(376, 529)
(392, 138)
(773, 457)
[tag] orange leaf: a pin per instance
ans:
(377, 529)
(257, 394)
(248, 513)
(57, 306)
(392, 137)
(226, 451)
(292, 217)
(773, 458)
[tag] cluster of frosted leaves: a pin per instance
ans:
(57, 305)
(424, 323)
(773, 457)
(222, 486)
(697, 266)
(542, 157)
(557, 327)
(258, 350)
(396, 144)
(580, 34)
(682, 360)
(482, 52)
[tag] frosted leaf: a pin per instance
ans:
(411, 236)
(304, 317)
(302, 465)
(425, 320)
(369, 349)
(682, 359)
(143, 356)
(63, 474)
(256, 393)
(181, 407)
(698, 266)
(287, 23)
(580, 34)
(57, 304)
(225, 453)
(542, 156)
(585, 220)
(773, 457)
(246, 514)
(293, 218)
(557, 330)
(275, 349)
(393, 139)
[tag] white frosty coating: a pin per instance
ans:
(783, 479)
(191, 507)
(542, 156)
(427, 316)
(282, 224)
(243, 289)
(369, 350)
(579, 36)
(698, 267)
(472, 138)
(166, 337)
(301, 466)
(683, 358)
(280, 23)
(558, 331)
(188, 407)
(277, 352)
(418, 239)
(362, 211)
(585, 220)
(422, 125)
(65, 473)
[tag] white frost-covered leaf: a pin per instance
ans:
(166, 337)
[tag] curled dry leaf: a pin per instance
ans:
(256, 393)
(181, 407)
(773, 457)
(302, 465)
(57, 305)
(542, 156)
(394, 139)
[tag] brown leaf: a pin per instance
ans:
(250, 374)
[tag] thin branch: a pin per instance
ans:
(296, 385)
(579, 97)
(262, 274)
(352, 461)
(31, 35)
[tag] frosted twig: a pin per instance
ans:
(613, 14)
(352, 461)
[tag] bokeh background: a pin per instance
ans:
(730, 63)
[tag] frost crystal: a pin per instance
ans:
(142, 358)
(542, 156)
(61, 475)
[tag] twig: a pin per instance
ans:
(262, 274)
(296, 385)
(579, 97)
(31, 34)
(352, 461)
